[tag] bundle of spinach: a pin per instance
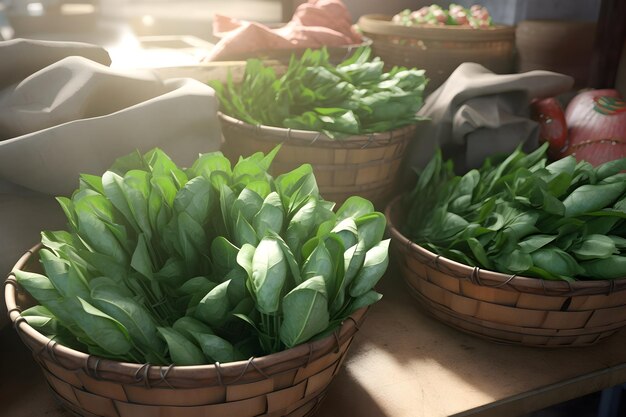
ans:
(520, 215)
(213, 263)
(352, 98)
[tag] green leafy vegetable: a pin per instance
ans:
(520, 215)
(213, 263)
(352, 98)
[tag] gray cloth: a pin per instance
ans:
(477, 113)
(63, 112)
(77, 115)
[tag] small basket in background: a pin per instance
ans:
(439, 49)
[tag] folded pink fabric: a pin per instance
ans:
(314, 24)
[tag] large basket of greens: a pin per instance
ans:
(440, 40)
(519, 251)
(209, 291)
(351, 122)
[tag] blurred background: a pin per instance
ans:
(117, 24)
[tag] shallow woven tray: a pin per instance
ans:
(439, 49)
(504, 308)
(365, 165)
(289, 383)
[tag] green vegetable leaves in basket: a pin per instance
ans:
(522, 215)
(355, 97)
(211, 263)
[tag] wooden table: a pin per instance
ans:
(402, 364)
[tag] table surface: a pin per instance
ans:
(403, 363)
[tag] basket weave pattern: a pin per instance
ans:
(289, 383)
(439, 50)
(365, 165)
(508, 309)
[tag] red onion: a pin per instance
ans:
(597, 126)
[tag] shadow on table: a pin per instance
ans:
(347, 397)
(21, 381)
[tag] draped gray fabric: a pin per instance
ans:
(477, 113)
(63, 111)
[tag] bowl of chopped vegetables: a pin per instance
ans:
(352, 122)
(213, 290)
(519, 251)
(439, 40)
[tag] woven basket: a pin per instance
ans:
(289, 383)
(365, 165)
(439, 49)
(508, 309)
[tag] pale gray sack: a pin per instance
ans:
(477, 113)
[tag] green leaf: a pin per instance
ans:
(364, 300)
(610, 168)
(96, 232)
(588, 198)
(136, 189)
(295, 186)
(197, 285)
(374, 267)
(302, 226)
(133, 316)
(37, 285)
(371, 228)
(68, 284)
(593, 247)
(182, 351)
(514, 262)
(320, 263)
(305, 312)
(347, 231)
(244, 233)
(187, 326)
(534, 242)
(92, 182)
(215, 348)
(113, 185)
(141, 261)
(209, 163)
(227, 199)
(479, 253)
(294, 268)
(613, 267)
(195, 199)
(42, 320)
(214, 307)
(247, 204)
(269, 273)
(270, 217)
(104, 330)
(224, 255)
(556, 262)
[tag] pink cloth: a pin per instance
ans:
(314, 24)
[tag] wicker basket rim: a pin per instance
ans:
(380, 24)
(314, 136)
(479, 275)
(308, 351)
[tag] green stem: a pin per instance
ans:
(276, 334)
